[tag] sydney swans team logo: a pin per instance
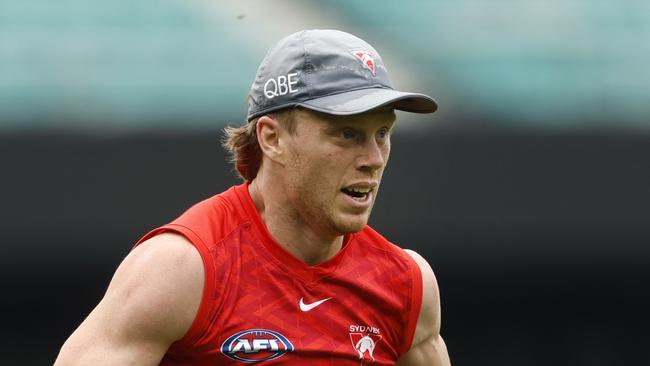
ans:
(255, 345)
(364, 340)
(366, 60)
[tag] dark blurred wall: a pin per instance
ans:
(539, 240)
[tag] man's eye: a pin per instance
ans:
(382, 134)
(348, 134)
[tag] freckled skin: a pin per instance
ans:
(328, 153)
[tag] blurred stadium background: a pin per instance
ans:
(528, 191)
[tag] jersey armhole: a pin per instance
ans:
(415, 305)
(202, 316)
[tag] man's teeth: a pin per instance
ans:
(357, 192)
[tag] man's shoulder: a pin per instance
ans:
(219, 204)
(376, 240)
(158, 287)
(212, 218)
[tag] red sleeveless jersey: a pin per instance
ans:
(263, 305)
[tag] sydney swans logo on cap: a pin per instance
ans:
(366, 60)
(282, 85)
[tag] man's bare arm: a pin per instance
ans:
(428, 348)
(151, 302)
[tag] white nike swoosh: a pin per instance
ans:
(307, 307)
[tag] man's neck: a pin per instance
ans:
(289, 230)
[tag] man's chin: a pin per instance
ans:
(350, 225)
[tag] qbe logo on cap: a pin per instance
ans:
(282, 85)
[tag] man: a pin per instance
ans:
(282, 269)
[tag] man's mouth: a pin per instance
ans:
(358, 193)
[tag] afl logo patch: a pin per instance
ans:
(255, 345)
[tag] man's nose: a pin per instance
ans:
(372, 157)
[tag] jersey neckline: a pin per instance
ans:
(308, 273)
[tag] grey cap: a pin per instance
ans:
(327, 71)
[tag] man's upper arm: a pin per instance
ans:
(151, 302)
(428, 348)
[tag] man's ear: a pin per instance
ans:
(270, 138)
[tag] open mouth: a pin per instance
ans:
(357, 193)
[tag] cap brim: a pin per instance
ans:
(363, 100)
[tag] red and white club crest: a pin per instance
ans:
(366, 60)
(364, 344)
